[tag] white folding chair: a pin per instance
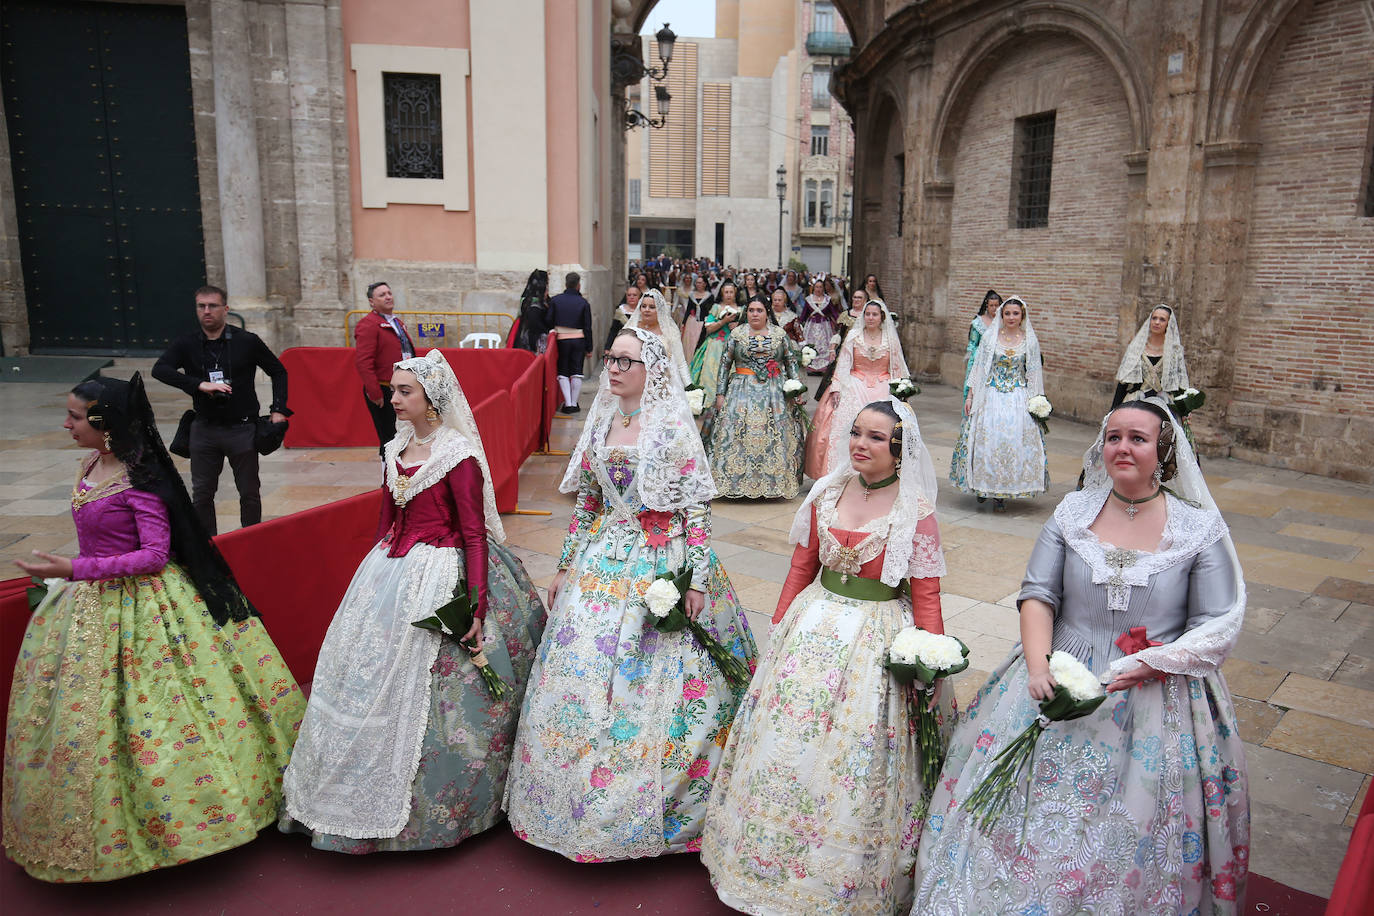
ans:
(482, 340)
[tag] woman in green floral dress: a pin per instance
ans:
(757, 442)
(151, 716)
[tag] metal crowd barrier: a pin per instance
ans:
(440, 329)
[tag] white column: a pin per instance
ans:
(509, 133)
(236, 152)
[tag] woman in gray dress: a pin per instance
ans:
(1141, 806)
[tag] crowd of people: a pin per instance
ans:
(631, 714)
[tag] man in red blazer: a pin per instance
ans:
(381, 341)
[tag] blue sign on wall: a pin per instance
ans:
(430, 328)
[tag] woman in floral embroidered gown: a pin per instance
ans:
(977, 327)
(757, 440)
(818, 315)
(819, 803)
(403, 746)
(699, 303)
(1000, 451)
(1153, 363)
(869, 358)
(623, 724)
(706, 361)
(142, 678)
(1142, 806)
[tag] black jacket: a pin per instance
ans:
(238, 354)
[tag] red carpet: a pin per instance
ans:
(493, 873)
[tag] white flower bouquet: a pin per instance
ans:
(1186, 401)
(696, 399)
(920, 658)
(793, 387)
(903, 388)
(730, 313)
(453, 620)
(1077, 693)
(1040, 408)
(808, 356)
(666, 599)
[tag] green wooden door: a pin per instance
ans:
(102, 142)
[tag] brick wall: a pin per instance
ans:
(1070, 272)
(1304, 356)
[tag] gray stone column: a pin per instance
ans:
(312, 116)
(236, 150)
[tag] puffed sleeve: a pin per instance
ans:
(154, 542)
(1211, 585)
(387, 517)
(727, 366)
(697, 526)
(464, 483)
(586, 508)
(806, 565)
(1045, 572)
(784, 354)
(926, 611)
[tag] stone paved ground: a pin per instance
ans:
(1302, 674)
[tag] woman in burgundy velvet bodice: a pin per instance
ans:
(403, 745)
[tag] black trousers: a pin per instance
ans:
(211, 443)
(571, 353)
(383, 420)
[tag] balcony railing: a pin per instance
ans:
(828, 44)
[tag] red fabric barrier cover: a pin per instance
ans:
(295, 569)
(1353, 894)
(14, 618)
(327, 395)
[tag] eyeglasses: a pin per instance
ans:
(623, 363)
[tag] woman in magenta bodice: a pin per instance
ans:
(143, 677)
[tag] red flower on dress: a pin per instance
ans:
(656, 525)
(774, 370)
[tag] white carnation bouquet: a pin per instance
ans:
(1186, 401)
(696, 399)
(1077, 693)
(808, 356)
(792, 387)
(903, 388)
(666, 599)
(1040, 408)
(920, 658)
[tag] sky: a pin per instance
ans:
(687, 18)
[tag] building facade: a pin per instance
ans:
(293, 151)
(703, 184)
(1099, 158)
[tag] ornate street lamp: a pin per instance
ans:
(627, 68)
(782, 196)
(844, 246)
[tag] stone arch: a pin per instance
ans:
(851, 11)
(981, 59)
(877, 247)
(1244, 79)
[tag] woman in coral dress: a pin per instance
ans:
(403, 746)
(819, 803)
(1141, 806)
(151, 716)
(869, 358)
(623, 724)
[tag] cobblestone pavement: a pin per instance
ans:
(1302, 674)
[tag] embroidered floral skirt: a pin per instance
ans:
(818, 804)
(816, 334)
(1000, 451)
(457, 772)
(141, 734)
(1141, 807)
(757, 441)
(705, 365)
(623, 725)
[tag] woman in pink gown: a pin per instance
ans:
(869, 358)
